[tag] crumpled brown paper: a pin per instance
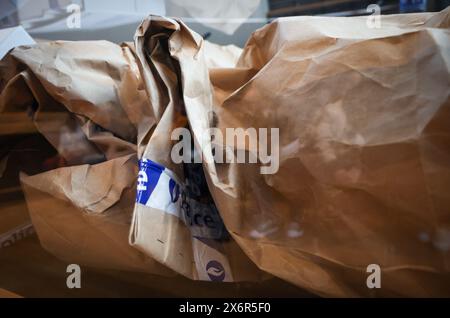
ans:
(82, 214)
(364, 167)
(86, 99)
(163, 232)
(91, 109)
(85, 96)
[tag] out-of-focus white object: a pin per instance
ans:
(113, 20)
(224, 15)
(143, 7)
(12, 37)
(221, 56)
(35, 9)
(220, 21)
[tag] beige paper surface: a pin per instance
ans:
(364, 157)
(86, 99)
(82, 214)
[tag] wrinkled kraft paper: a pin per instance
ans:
(86, 99)
(90, 109)
(82, 214)
(364, 119)
(171, 224)
(364, 148)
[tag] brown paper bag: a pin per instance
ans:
(363, 172)
(172, 225)
(363, 178)
(82, 214)
(86, 99)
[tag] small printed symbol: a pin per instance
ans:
(215, 271)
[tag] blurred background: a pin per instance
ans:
(221, 21)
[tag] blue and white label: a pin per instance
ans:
(157, 188)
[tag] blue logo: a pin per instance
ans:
(215, 271)
(148, 178)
